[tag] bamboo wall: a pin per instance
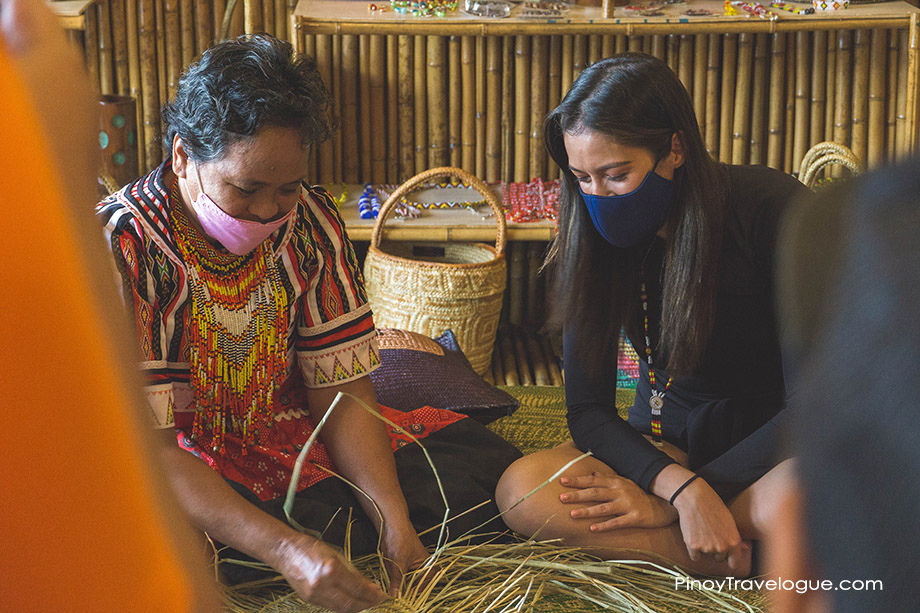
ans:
(140, 48)
(410, 102)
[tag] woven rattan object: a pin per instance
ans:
(434, 286)
(826, 154)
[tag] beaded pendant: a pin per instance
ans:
(237, 335)
(656, 400)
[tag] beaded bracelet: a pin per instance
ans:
(681, 488)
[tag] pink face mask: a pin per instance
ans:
(239, 236)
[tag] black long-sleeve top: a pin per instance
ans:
(728, 412)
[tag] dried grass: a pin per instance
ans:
(496, 577)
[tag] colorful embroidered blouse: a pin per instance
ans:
(331, 339)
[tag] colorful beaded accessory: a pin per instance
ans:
(534, 201)
(237, 334)
(384, 192)
(424, 8)
(656, 400)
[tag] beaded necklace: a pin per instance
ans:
(237, 334)
(656, 400)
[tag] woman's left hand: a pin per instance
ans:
(403, 552)
(621, 503)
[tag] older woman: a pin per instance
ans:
(251, 316)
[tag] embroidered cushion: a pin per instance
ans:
(416, 371)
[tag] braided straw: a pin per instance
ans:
(421, 178)
(825, 154)
(462, 290)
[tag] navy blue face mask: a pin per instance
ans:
(627, 220)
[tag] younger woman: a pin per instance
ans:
(658, 239)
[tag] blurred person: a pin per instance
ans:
(849, 277)
(87, 524)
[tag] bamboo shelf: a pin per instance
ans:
(414, 93)
(71, 13)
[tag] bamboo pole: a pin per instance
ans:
(538, 362)
(350, 129)
(150, 100)
(713, 78)
(831, 86)
(535, 291)
(660, 47)
(187, 37)
(120, 49)
(237, 22)
(843, 103)
(757, 144)
(729, 67)
(324, 153)
(291, 4)
(469, 86)
(252, 15)
(539, 82)
(135, 88)
(700, 53)
(421, 104)
(685, 62)
(860, 114)
(377, 88)
(555, 375)
(281, 20)
(106, 65)
(777, 97)
(741, 134)
(268, 17)
(454, 101)
(219, 8)
(406, 90)
(554, 89)
(392, 112)
(498, 368)
(91, 46)
(891, 131)
(875, 146)
(672, 56)
(608, 45)
(508, 93)
(480, 138)
(438, 152)
(789, 104)
(913, 98)
(338, 141)
(509, 360)
(567, 74)
(904, 80)
(493, 114)
(516, 274)
(802, 98)
(594, 49)
(818, 88)
(366, 138)
(520, 350)
(522, 96)
(161, 52)
(621, 43)
(579, 54)
(173, 46)
(203, 28)
(646, 44)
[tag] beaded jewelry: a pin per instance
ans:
(534, 201)
(424, 8)
(656, 400)
(338, 200)
(368, 203)
(237, 334)
(385, 190)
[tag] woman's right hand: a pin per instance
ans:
(322, 576)
(709, 528)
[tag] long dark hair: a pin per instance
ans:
(637, 101)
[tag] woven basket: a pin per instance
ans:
(825, 154)
(429, 287)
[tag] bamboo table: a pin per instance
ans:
(415, 93)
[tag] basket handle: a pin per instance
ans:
(422, 177)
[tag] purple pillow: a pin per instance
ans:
(416, 371)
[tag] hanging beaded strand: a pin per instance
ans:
(656, 400)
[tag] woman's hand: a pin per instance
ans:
(709, 528)
(621, 503)
(322, 576)
(403, 552)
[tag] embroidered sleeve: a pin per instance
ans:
(336, 339)
(138, 290)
